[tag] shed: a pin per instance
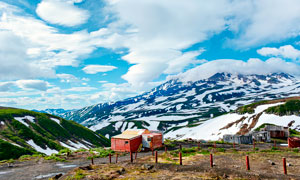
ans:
(239, 139)
(132, 139)
(126, 142)
(277, 131)
(294, 142)
(262, 136)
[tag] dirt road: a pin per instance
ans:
(44, 169)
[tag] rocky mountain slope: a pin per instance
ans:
(28, 132)
(182, 102)
(282, 112)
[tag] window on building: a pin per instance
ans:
(126, 142)
(149, 139)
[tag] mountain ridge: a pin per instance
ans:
(176, 103)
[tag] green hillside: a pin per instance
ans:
(19, 128)
(291, 107)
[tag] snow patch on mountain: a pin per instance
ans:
(213, 129)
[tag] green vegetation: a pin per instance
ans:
(9, 151)
(250, 108)
(100, 152)
(44, 132)
(291, 107)
(55, 157)
(262, 126)
(294, 133)
(80, 131)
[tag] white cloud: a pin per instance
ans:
(81, 89)
(157, 31)
(102, 81)
(33, 84)
(252, 66)
(94, 69)
(262, 22)
(287, 51)
(67, 78)
(62, 12)
(14, 62)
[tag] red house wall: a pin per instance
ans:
(135, 143)
(294, 142)
(156, 141)
(120, 145)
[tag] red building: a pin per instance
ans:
(133, 139)
(294, 142)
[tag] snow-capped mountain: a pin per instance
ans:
(243, 122)
(55, 112)
(179, 103)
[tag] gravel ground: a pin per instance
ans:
(44, 169)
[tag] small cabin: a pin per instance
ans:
(277, 131)
(262, 136)
(294, 142)
(238, 139)
(133, 140)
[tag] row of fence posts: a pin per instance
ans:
(155, 153)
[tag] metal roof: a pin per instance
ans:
(125, 136)
(136, 131)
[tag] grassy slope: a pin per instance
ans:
(44, 132)
(291, 104)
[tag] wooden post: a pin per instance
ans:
(156, 157)
(247, 163)
(109, 158)
(211, 160)
(274, 143)
(92, 161)
(135, 155)
(166, 149)
(131, 158)
(284, 166)
(180, 158)
(253, 144)
(116, 158)
(215, 144)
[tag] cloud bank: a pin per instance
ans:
(252, 66)
(62, 12)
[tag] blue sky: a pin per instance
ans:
(74, 53)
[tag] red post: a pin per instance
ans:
(211, 160)
(284, 166)
(180, 158)
(254, 144)
(109, 158)
(116, 158)
(233, 145)
(247, 163)
(92, 161)
(135, 155)
(156, 157)
(166, 149)
(215, 144)
(131, 158)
